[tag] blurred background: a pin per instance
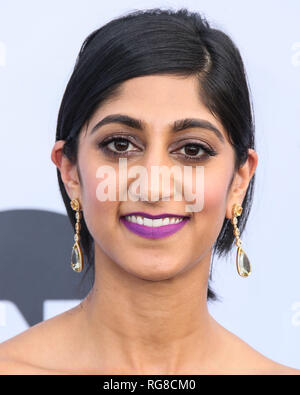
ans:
(39, 43)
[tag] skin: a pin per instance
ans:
(147, 312)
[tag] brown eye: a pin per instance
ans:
(196, 152)
(119, 144)
(192, 149)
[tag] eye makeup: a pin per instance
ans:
(116, 146)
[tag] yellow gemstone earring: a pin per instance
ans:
(242, 261)
(76, 257)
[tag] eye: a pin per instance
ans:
(196, 151)
(117, 146)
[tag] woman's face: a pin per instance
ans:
(158, 101)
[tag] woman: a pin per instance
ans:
(157, 88)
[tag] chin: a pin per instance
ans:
(155, 272)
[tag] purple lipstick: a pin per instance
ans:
(164, 227)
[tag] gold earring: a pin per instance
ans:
(242, 261)
(76, 257)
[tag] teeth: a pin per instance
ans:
(165, 221)
(147, 222)
(137, 219)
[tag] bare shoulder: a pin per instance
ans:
(14, 367)
(244, 359)
(40, 348)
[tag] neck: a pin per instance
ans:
(161, 326)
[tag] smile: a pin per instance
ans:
(153, 228)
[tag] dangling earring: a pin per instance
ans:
(76, 257)
(242, 261)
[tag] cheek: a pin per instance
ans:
(209, 186)
(100, 216)
(216, 183)
(210, 219)
(208, 222)
(215, 191)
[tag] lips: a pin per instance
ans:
(150, 226)
(146, 215)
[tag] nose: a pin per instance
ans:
(157, 178)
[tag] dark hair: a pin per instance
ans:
(157, 41)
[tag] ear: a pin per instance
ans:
(241, 181)
(68, 170)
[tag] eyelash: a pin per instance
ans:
(103, 146)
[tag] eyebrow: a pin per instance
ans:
(177, 126)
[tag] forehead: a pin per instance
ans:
(171, 91)
(158, 100)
